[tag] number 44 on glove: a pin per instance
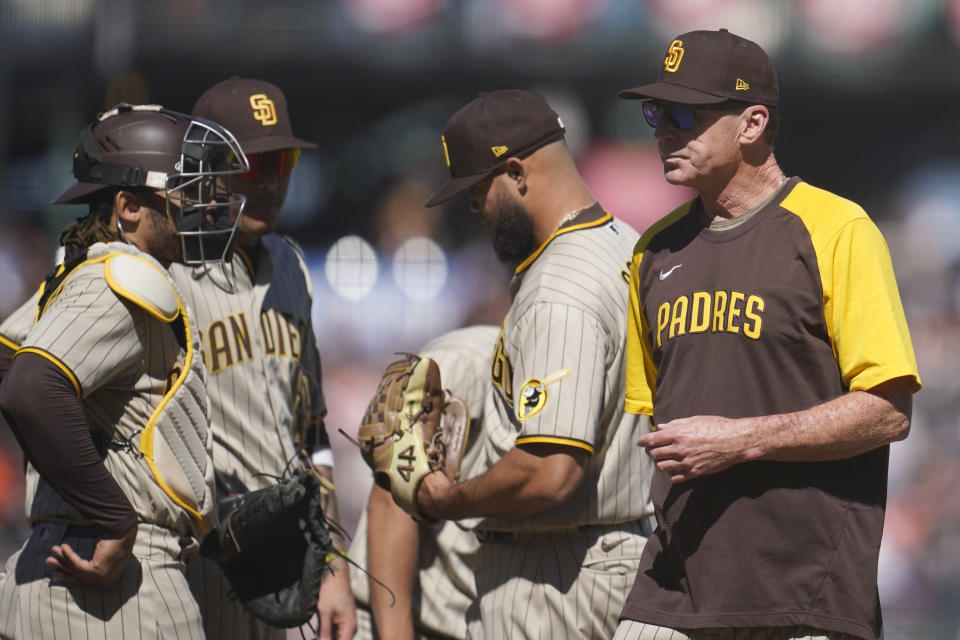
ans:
(411, 428)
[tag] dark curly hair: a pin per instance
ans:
(93, 227)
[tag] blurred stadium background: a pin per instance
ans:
(871, 97)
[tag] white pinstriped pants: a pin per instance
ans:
(567, 585)
(633, 630)
(150, 601)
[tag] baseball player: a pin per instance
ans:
(258, 343)
(768, 343)
(105, 392)
(427, 567)
(564, 496)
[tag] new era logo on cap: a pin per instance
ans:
(709, 67)
(480, 137)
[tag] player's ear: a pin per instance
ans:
(515, 170)
(754, 121)
(127, 205)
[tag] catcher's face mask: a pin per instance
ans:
(189, 158)
(206, 213)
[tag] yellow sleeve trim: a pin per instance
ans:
(8, 343)
(638, 408)
(66, 370)
(580, 444)
(866, 382)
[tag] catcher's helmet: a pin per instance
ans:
(189, 158)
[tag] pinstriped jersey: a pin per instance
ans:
(125, 364)
(445, 582)
(255, 343)
(17, 325)
(558, 372)
(789, 309)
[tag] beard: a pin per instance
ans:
(512, 232)
(164, 243)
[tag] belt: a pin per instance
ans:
(645, 527)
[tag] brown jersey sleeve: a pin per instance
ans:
(40, 403)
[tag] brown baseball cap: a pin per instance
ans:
(254, 110)
(709, 67)
(480, 137)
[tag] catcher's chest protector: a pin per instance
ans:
(176, 442)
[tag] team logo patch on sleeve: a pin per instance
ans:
(533, 395)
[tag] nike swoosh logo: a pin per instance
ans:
(606, 547)
(665, 275)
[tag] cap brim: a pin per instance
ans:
(274, 143)
(455, 186)
(670, 93)
(78, 193)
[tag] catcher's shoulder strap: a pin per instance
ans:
(53, 283)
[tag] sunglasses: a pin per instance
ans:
(282, 162)
(681, 116)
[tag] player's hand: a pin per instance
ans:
(430, 494)
(696, 446)
(336, 610)
(103, 568)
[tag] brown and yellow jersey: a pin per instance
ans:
(791, 306)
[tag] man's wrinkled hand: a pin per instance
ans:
(696, 446)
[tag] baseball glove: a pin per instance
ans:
(274, 547)
(410, 430)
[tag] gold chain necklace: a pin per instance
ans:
(573, 214)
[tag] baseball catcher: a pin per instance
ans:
(411, 428)
(275, 548)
